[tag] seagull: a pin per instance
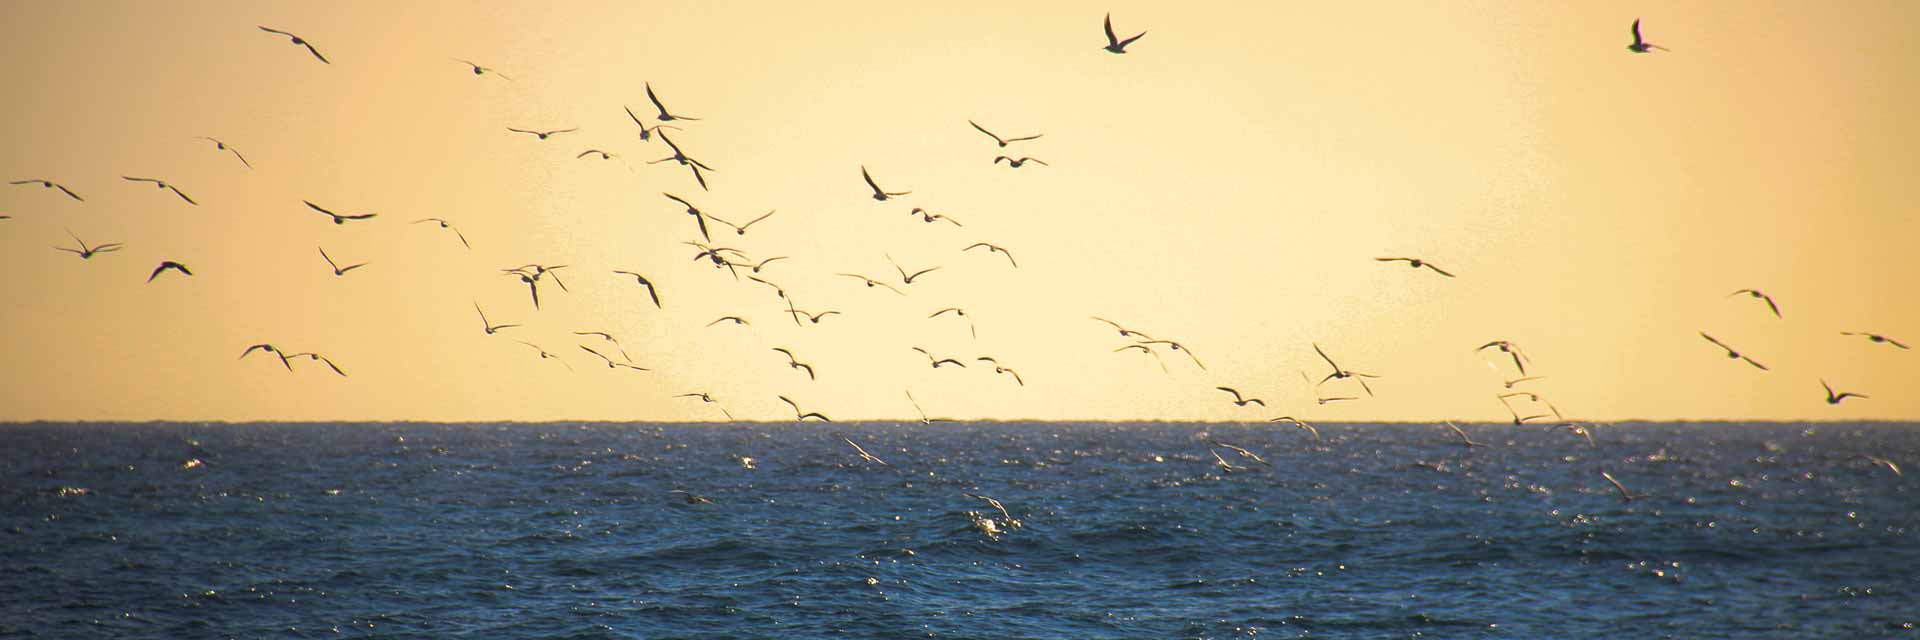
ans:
(1015, 163)
(337, 269)
(1641, 46)
(1114, 43)
(864, 456)
(217, 144)
(698, 217)
(543, 134)
(1339, 373)
(717, 256)
(603, 155)
(546, 356)
(1243, 452)
(908, 279)
(763, 263)
(1299, 423)
(1515, 381)
(923, 414)
(1000, 368)
(795, 363)
(811, 317)
(1519, 359)
(1624, 495)
(1002, 141)
(741, 229)
(963, 315)
(162, 185)
(610, 363)
(480, 70)
(664, 116)
(1124, 332)
(52, 185)
(1239, 401)
(1835, 399)
(1417, 263)
(802, 417)
(994, 249)
(871, 283)
(733, 319)
(1874, 337)
(1147, 350)
(533, 285)
(646, 133)
(488, 326)
(316, 356)
(85, 252)
(1517, 419)
(1756, 293)
(929, 216)
(1582, 431)
(708, 398)
(1011, 522)
(681, 157)
(337, 218)
(269, 349)
(691, 498)
(299, 41)
(936, 362)
(1464, 440)
(1731, 354)
(878, 193)
(643, 281)
(449, 226)
(1225, 467)
(168, 264)
(1178, 347)
(777, 291)
(1879, 461)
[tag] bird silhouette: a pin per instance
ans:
(299, 41)
(1003, 142)
(51, 185)
(1639, 45)
(168, 264)
(162, 185)
(1114, 43)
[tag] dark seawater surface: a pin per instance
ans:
(1128, 531)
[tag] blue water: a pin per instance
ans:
(1127, 531)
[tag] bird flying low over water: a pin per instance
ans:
(1833, 398)
(1302, 424)
(1114, 43)
(864, 456)
(643, 281)
(85, 252)
(299, 41)
(1464, 440)
(1755, 293)
(480, 70)
(51, 185)
(1417, 263)
(168, 264)
(543, 134)
(1225, 467)
(1874, 337)
(610, 362)
(337, 269)
(1239, 401)
(163, 185)
(1625, 496)
(1639, 45)
(1015, 163)
(1002, 141)
(798, 416)
(879, 194)
(217, 144)
(1877, 460)
(994, 249)
(448, 226)
(339, 218)
(1731, 354)
(664, 116)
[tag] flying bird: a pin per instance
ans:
(1146, 350)
(708, 398)
(217, 144)
(936, 362)
(448, 226)
(1114, 43)
(741, 229)
(1874, 337)
(1625, 496)
(879, 194)
(1417, 263)
(533, 285)
(301, 42)
(864, 456)
(1242, 451)
(871, 283)
(603, 155)
(1519, 359)
(610, 362)
(991, 249)
(1515, 381)
(643, 281)
(734, 319)
(763, 263)
(681, 157)
(645, 132)
(321, 358)
(1832, 398)
(267, 348)
(1015, 163)
(929, 216)
(1178, 347)
(698, 217)
(795, 363)
(1239, 401)
(480, 70)
(1339, 373)
(488, 326)
(904, 276)
(797, 313)
(85, 252)
(1124, 332)
(546, 356)
(777, 291)
(1756, 293)
(51, 185)
(957, 311)
(1639, 45)
(798, 416)
(168, 264)
(1464, 440)
(1879, 461)
(543, 134)
(1002, 141)
(692, 498)
(162, 185)
(1000, 368)
(1225, 467)
(664, 116)
(337, 269)
(338, 218)
(923, 414)
(1731, 354)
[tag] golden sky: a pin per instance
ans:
(1227, 183)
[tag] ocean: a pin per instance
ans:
(1111, 530)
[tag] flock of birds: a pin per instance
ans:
(1339, 384)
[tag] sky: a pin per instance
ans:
(1227, 183)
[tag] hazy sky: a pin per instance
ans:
(1226, 183)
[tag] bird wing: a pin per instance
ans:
(1108, 25)
(750, 223)
(1438, 270)
(1718, 343)
(329, 259)
(1771, 305)
(1756, 364)
(1323, 356)
(656, 103)
(318, 208)
(651, 292)
(919, 273)
(315, 52)
(183, 196)
(156, 272)
(1031, 137)
(63, 189)
(278, 32)
(362, 216)
(985, 131)
(1636, 40)
(1128, 41)
(1236, 394)
(869, 178)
